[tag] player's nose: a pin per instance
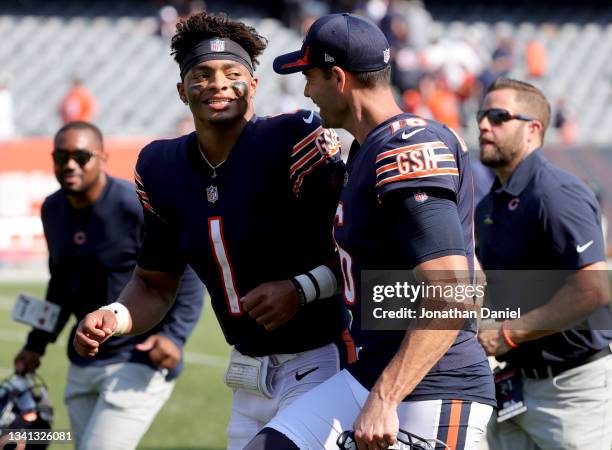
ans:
(71, 164)
(484, 125)
(219, 81)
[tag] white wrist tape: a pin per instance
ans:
(328, 285)
(122, 314)
(320, 282)
(310, 291)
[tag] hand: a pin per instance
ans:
(162, 351)
(272, 304)
(377, 425)
(26, 361)
(95, 328)
(492, 340)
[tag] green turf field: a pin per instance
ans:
(196, 415)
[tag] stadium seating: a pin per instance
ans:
(114, 47)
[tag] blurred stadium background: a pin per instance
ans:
(444, 54)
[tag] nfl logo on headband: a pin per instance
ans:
(217, 45)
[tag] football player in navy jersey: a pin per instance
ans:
(249, 203)
(407, 204)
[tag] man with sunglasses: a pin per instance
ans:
(538, 217)
(94, 228)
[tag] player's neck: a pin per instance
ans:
(217, 141)
(89, 197)
(370, 108)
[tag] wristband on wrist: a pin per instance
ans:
(122, 314)
(300, 291)
(506, 335)
(320, 282)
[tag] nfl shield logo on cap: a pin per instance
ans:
(217, 45)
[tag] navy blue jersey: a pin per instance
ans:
(406, 153)
(560, 229)
(265, 214)
(92, 254)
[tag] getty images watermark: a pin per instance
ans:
(462, 301)
(401, 300)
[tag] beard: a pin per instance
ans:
(502, 152)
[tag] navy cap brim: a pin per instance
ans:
(291, 63)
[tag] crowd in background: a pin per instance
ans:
(440, 78)
(443, 79)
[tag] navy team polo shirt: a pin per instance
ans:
(544, 218)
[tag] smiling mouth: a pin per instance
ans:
(219, 101)
(70, 176)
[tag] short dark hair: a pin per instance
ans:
(368, 79)
(529, 95)
(199, 27)
(80, 125)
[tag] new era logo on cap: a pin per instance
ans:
(355, 42)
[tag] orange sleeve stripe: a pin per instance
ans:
(298, 183)
(303, 160)
(307, 140)
(422, 174)
(386, 168)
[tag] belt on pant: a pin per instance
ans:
(550, 371)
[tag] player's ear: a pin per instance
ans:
(339, 77)
(180, 87)
(253, 85)
(535, 129)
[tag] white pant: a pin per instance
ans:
(572, 411)
(111, 407)
(250, 412)
(315, 421)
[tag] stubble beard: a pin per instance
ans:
(504, 153)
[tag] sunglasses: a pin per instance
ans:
(81, 157)
(346, 441)
(497, 116)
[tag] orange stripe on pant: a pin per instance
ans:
(351, 353)
(454, 424)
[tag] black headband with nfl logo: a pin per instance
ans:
(216, 48)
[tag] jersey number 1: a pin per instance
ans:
(215, 231)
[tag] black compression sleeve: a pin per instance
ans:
(427, 223)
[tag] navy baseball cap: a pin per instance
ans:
(345, 40)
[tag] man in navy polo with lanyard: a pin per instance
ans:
(539, 217)
(94, 228)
